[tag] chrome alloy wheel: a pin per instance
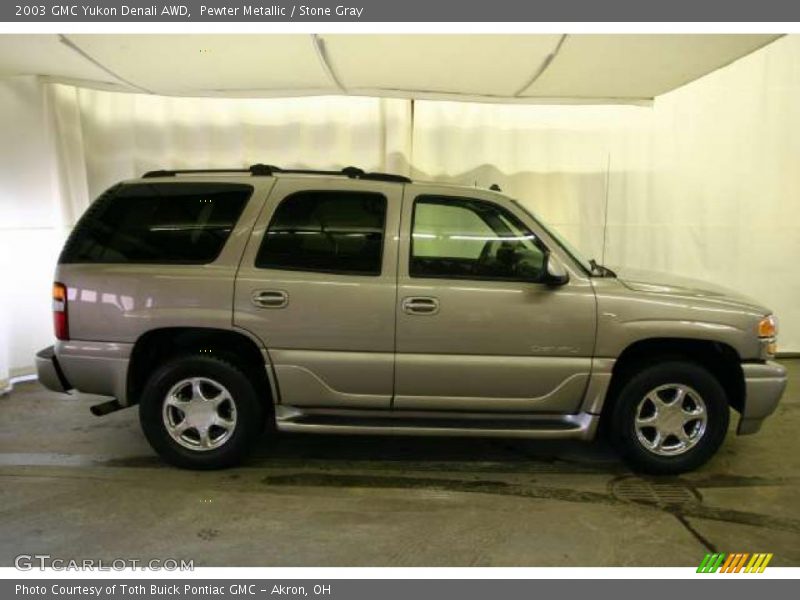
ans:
(199, 414)
(671, 419)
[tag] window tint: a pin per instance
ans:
(183, 223)
(463, 238)
(337, 232)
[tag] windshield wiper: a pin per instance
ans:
(600, 270)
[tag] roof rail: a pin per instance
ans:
(269, 170)
(172, 173)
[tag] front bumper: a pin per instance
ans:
(764, 384)
(49, 371)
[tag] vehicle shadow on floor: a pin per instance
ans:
(564, 471)
(567, 471)
(440, 453)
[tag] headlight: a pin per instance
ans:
(768, 327)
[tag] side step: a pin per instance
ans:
(391, 422)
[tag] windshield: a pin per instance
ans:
(568, 248)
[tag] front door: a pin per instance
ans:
(317, 285)
(476, 330)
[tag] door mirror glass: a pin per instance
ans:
(555, 273)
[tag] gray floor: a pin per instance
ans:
(77, 486)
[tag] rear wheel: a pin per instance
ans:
(669, 418)
(201, 412)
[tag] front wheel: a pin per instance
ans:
(200, 412)
(670, 418)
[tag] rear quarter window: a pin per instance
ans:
(171, 223)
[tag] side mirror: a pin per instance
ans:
(554, 272)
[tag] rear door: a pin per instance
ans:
(317, 284)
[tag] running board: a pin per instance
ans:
(416, 423)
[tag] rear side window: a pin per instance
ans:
(171, 223)
(329, 232)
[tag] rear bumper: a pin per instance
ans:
(764, 385)
(49, 371)
(90, 367)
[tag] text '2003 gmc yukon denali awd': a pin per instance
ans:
(224, 302)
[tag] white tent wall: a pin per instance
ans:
(30, 228)
(562, 162)
(121, 135)
(725, 202)
(63, 145)
(705, 183)
(702, 183)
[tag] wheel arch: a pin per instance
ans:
(720, 359)
(156, 346)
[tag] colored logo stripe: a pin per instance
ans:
(711, 563)
(727, 566)
(703, 563)
(758, 563)
(740, 564)
(734, 563)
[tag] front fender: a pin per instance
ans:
(627, 316)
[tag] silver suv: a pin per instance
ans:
(227, 302)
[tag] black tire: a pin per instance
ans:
(249, 408)
(623, 428)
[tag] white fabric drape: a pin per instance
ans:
(725, 201)
(30, 230)
(120, 136)
(703, 183)
(556, 160)
(61, 146)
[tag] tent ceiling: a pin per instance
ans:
(503, 68)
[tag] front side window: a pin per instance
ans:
(325, 231)
(163, 223)
(462, 238)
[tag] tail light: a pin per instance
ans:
(60, 319)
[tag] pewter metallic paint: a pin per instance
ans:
(346, 343)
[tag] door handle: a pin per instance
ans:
(270, 298)
(420, 305)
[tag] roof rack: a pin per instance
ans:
(269, 170)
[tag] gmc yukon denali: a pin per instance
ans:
(227, 302)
